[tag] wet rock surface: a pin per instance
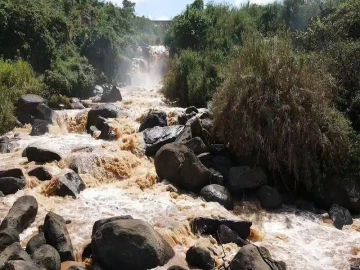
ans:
(157, 137)
(217, 193)
(200, 257)
(179, 165)
(153, 119)
(56, 235)
(69, 183)
(245, 178)
(340, 216)
(21, 214)
(130, 244)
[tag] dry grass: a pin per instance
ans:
(276, 105)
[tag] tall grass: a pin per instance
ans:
(277, 105)
(16, 79)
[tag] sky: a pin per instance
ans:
(167, 9)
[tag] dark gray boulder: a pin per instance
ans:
(57, 235)
(245, 178)
(46, 257)
(269, 197)
(206, 159)
(10, 185)
(35, 242)
(101, 222)
(196, 145)
(19, 265)
(106, 132)
(105, 110)
(12, 253)
(36, 152)
(16, 173)
(130, 244)
(40, 173)
(8, 236)
(203, 225)
(21, 214)
(251, 257)
(191, 109)
(184, 136)
(45, 113)
(29, 103)
(113, 96)
(69, 184)
(153, 119)
(157, 137)
(200, 258)
(219, 194)
(340, 216)
(227, 235)
(222, 165)
(196, 127)
(216, 177)
(179, 165)
(39, 127)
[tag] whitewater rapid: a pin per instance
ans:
(121, 180)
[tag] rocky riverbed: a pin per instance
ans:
(116, 167)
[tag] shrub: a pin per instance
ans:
(277, 105)
(193, 77)
(70, 74)
(57, 100)
(16, 79)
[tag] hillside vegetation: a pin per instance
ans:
(283, 82)
(68, 45)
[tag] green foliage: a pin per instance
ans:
(57, 100)
(70, 74)
(278, 105)
(193, 78)
(16, 79)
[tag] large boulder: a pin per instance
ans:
(21, 214)
(45, 113)
(340, 216)
(245, 178)
(219, 194)
(179, 165)
(251, 257)
(222, 165)
(39, 127)
(101, 222)
(46, 257)
(13, 252)
(269, 197)
(105, 110)
(35, 242)
(19, 265)
(38, 153)
(40, 173)
(29, 104)
(68, 183)
(153, 119)
(227, 235)
(191, 109)
(7, 237)
(113, 96)
(200, 258)
(16, 173)
(130, 244)
(203, 225)
(196, 145)
(57, 235)
(10, 185)
(157, 137)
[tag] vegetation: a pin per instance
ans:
(284, 80)
(16, 79)
(71, 45)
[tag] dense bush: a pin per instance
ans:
(278, 105)
(70, 74)
(16, 79)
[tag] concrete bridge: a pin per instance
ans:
(162, 23)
